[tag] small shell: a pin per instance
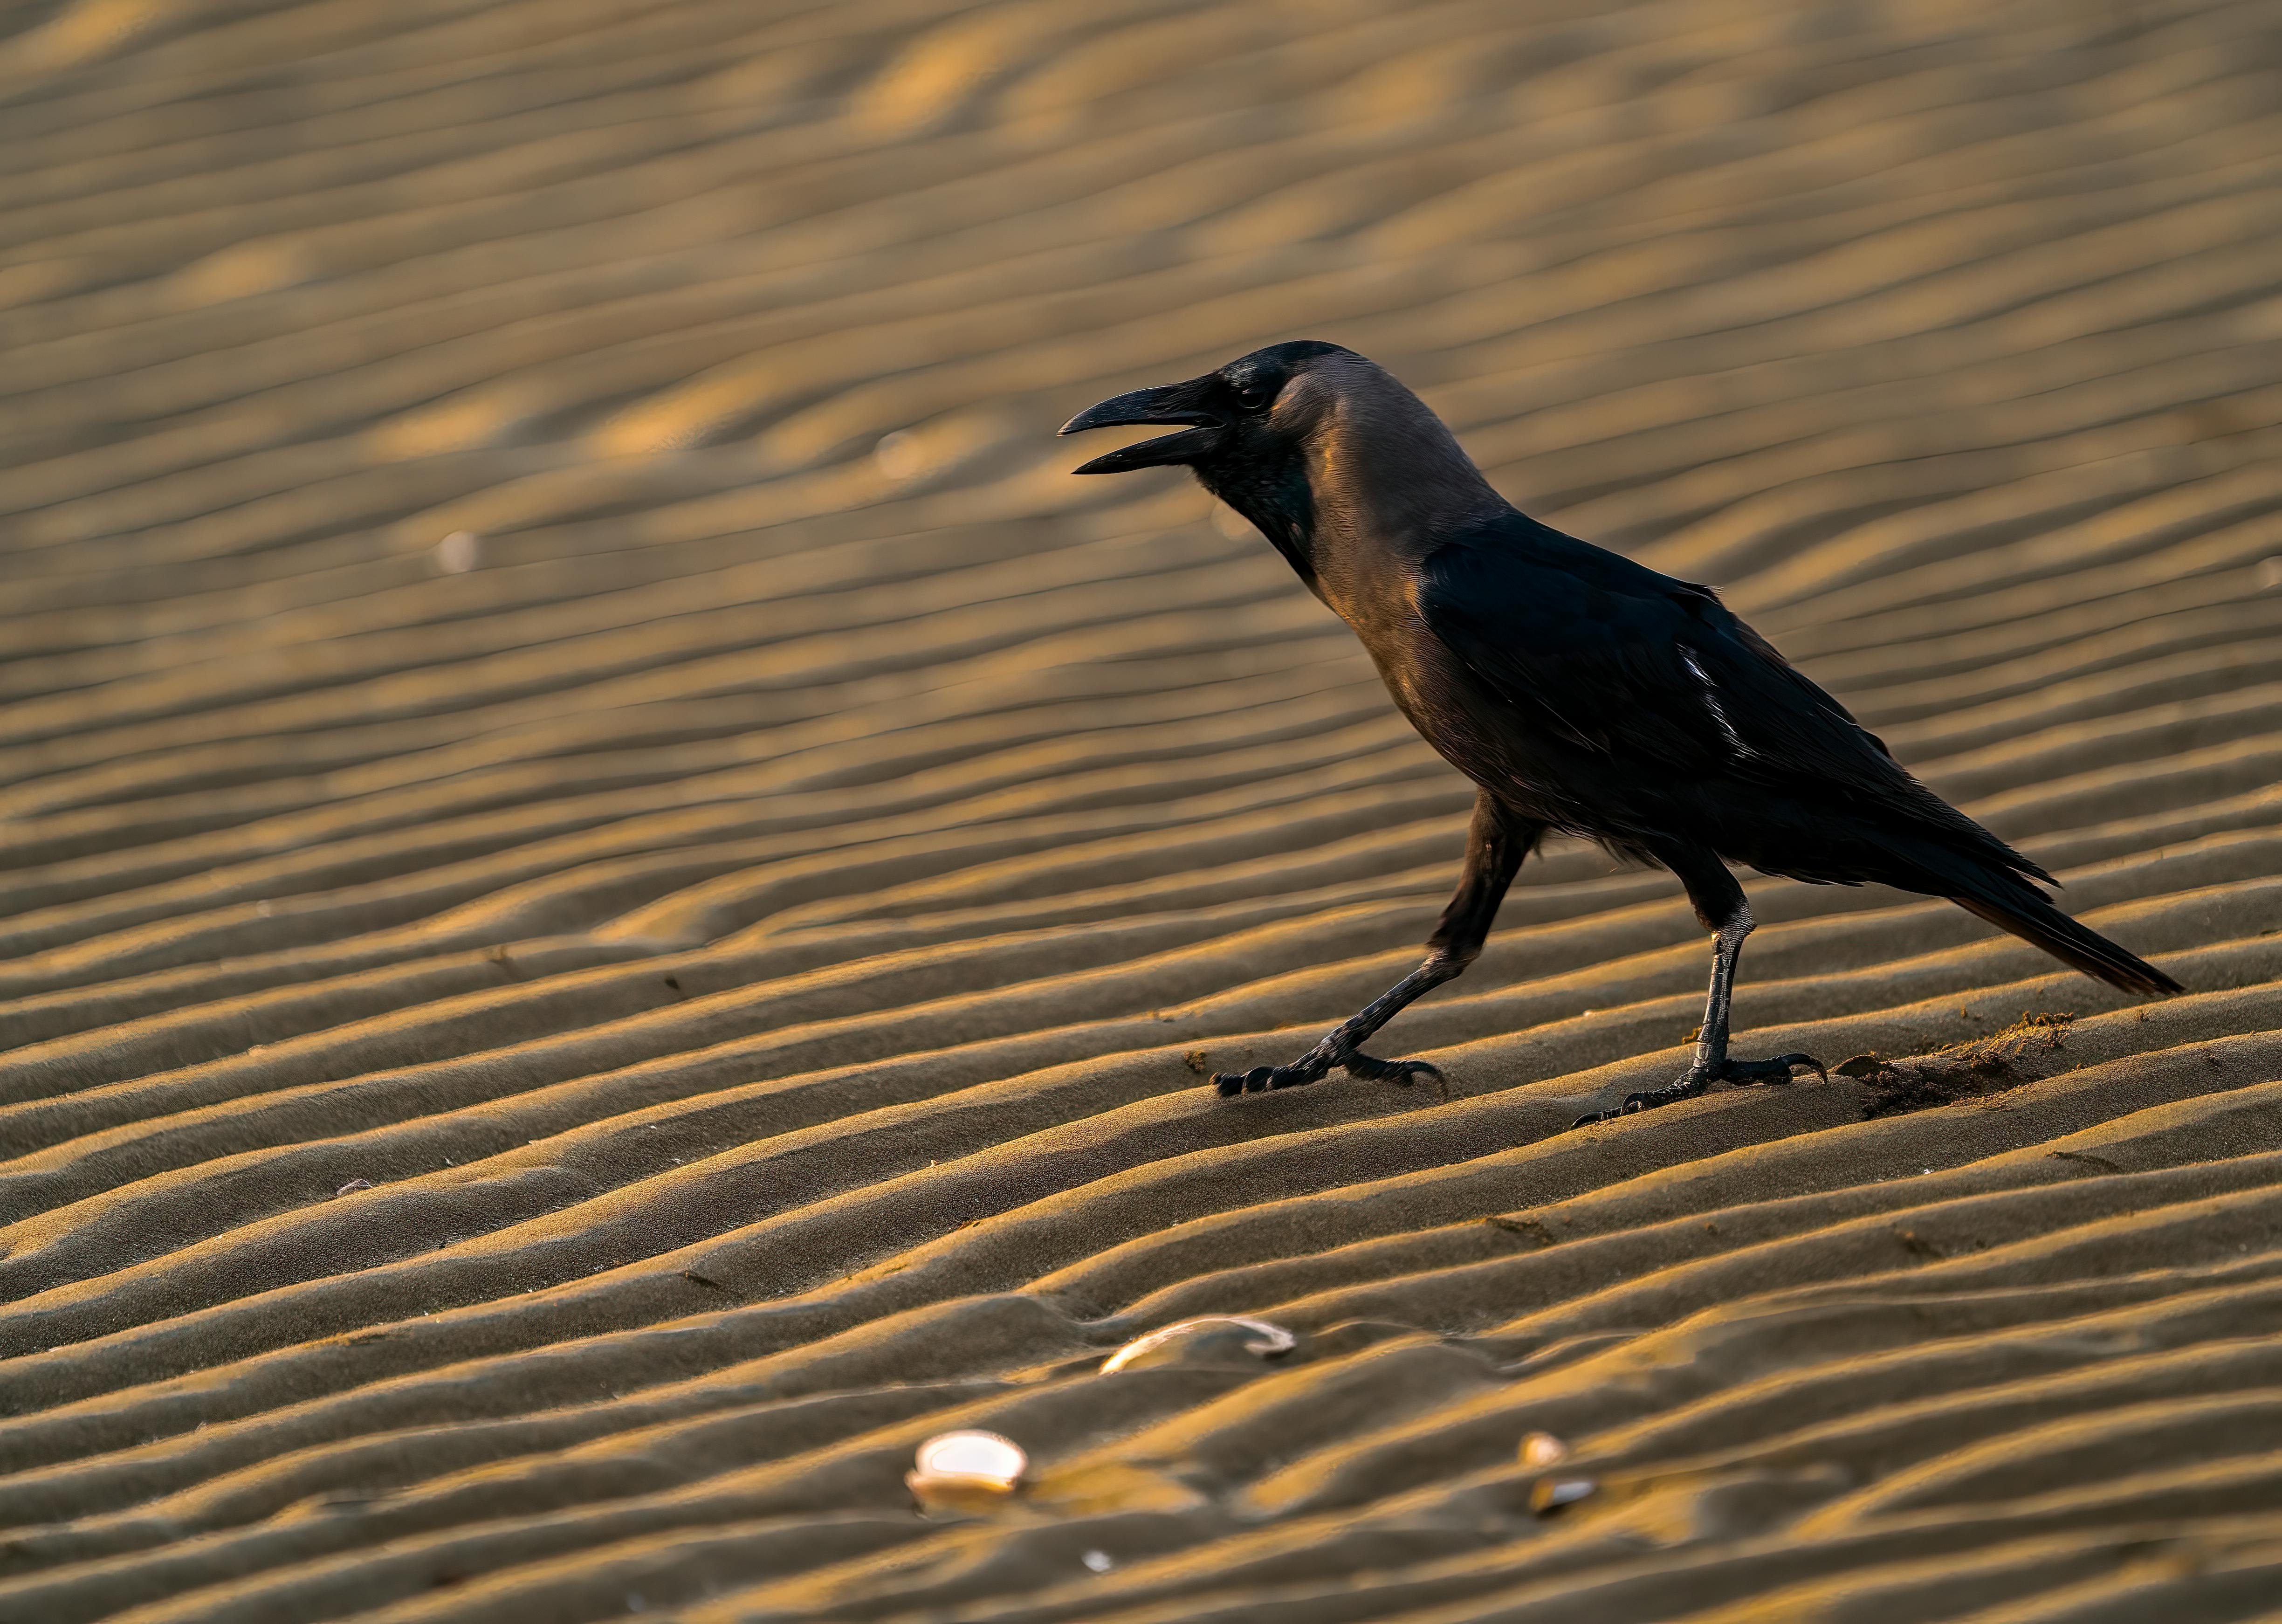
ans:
(1542, 1449)
(353, 1186)
(457, 553)
(965, 1471)
(1268, 1341)
(1099, 1561)
(1551, 1494)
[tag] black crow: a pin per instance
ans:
(1578, 690)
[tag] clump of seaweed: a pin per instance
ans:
(1984, 1065)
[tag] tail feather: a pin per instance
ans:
(2035, 921)
(2005, 896)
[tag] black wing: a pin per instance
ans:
(1618, 659)
(1656, 674)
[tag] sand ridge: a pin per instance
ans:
(620, 890)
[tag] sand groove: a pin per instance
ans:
(551, 668)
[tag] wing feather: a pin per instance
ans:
(1657, 675)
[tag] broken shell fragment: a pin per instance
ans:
(1551, 1494)
(1210, 1333)
(1542, 1449)
(965, 1471)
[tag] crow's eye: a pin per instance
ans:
(1253, 395)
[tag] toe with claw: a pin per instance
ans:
(1307, 1068)
(1398, 1072)
(1779, 1070)
(1314, 1065)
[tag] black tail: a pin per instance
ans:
(2033, 919)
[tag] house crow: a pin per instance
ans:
(1578, 690)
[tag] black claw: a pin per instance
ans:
(1687, 1088)
(1633, 1106)
(1776, 1070)
(1311, 1068)
(1809, 1061)
(1397, 1072)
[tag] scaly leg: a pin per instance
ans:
(1720, 905)
(1495, 843)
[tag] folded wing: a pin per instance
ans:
(1659, 677)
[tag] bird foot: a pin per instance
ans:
(1312, 1066)
(1701, 1078)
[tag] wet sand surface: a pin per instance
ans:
(559, 689)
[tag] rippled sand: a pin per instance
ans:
(557, 675)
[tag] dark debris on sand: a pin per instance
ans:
(1987, 1065)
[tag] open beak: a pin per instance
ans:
(1181, 403)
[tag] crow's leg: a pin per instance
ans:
(1495, 843)
(1719, 904)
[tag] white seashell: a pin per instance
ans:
(972, 1455)
(1099, 1561)
(1551, 1494)
(1266, 1340)
(1543, 1449)
(458, 553)
(966, 1469)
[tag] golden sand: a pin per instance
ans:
(619, 888)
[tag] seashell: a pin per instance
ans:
(1099, 1561)
(1542, 1449)
(1551, 1494)
(355, 1184)
(965, 1471)
(1266, 1340)
(459, 552)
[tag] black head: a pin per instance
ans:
(1241, 446)
(1230, 413)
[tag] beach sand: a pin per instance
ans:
(619, 891)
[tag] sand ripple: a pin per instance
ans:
(619, 890)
